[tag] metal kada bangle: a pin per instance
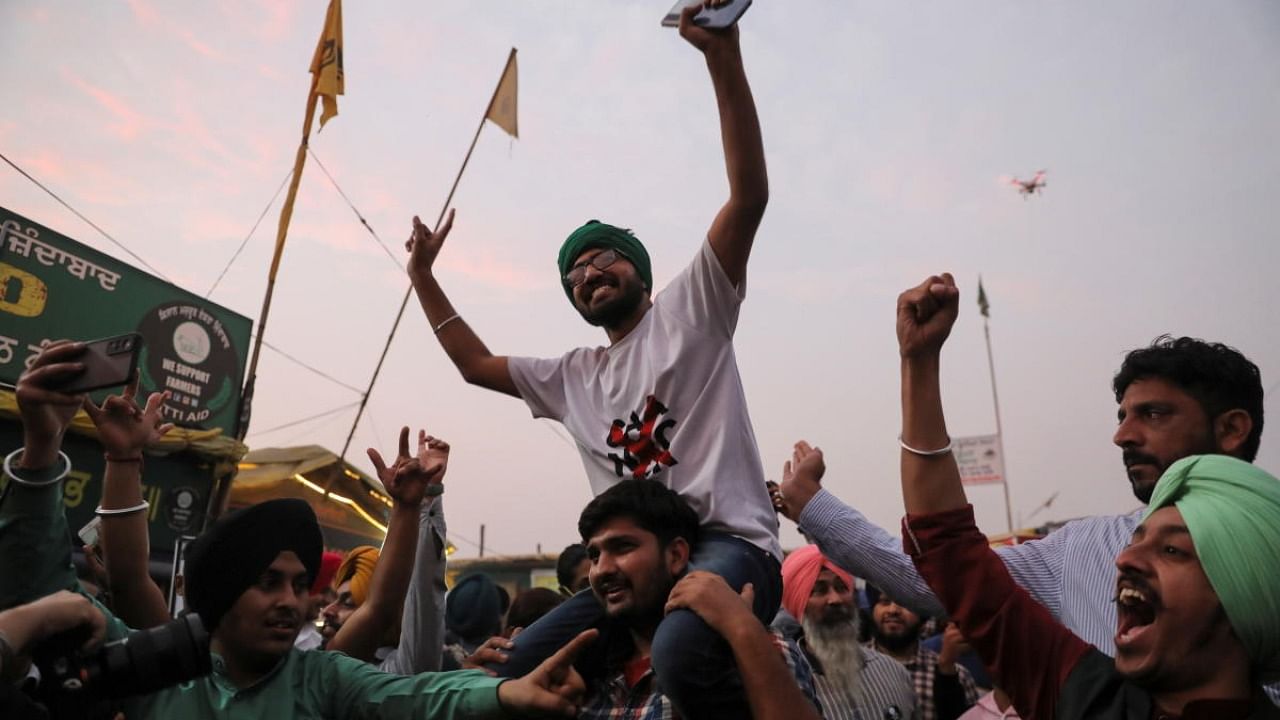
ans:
(42, 478)
(927, 453)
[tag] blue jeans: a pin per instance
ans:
(693, 664)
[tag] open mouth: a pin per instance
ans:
(1136, 610)
(612, 592)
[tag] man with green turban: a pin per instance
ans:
(664, 400)
(1197, 592)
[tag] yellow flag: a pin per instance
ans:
(326, 66)
(502, 108)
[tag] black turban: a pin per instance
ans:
(232, 555)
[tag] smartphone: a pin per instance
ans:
(715, 18)
(89, 533)
(108, 362)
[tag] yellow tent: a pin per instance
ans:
(353, 512)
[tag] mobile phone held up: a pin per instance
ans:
(715, 18)
(108, 362)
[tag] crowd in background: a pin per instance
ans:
(679, 602)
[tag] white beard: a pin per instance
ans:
(837, 650)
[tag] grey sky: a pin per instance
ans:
(887, 127)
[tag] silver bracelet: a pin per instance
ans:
(446, 321)
(926, 453)
(101, 512)
(43, 482)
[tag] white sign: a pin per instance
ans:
(979, 459)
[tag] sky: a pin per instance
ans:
(889, 130)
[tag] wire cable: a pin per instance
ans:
(309, 418)
(252, 230)
(351, 205)
(91, 223)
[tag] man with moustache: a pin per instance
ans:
(851, 682)
(639, 536)
(944, 689)
(1177, 397)
(1198, 626)
(664, 401)
(247, 577)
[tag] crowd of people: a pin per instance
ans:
(679, 601)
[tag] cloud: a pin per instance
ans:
(144, 13)
(45, 164)
(129, 122)
(191, 40)
(488, 268)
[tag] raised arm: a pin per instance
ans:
(422, 620)
(125, 430)
(772, 691)
(467, 351)
(35, 554)
(407, 481)
(734, 228)
(846, 536)
(931, 480)
(1016, 637)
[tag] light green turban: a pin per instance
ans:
(1232, 510)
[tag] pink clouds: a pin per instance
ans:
(489, 268)
(129, 122)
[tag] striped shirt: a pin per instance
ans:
(886, 691)
(1072, 571)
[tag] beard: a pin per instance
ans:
(1144, 487)
(617, 310)
(899, 642)
(835, 644)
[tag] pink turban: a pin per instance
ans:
(329, 563)
(799, 573)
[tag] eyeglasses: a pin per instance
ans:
(602, 261)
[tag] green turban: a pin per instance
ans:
(596, 234)
(1232, 510)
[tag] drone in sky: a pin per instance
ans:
(1029, 187)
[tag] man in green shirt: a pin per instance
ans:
(249, 575)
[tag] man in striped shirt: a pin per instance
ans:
(1177, 397)
(852, 682)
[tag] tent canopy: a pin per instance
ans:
(355, 510)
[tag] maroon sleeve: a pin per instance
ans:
(1027, 650)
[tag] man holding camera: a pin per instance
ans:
(247, 578)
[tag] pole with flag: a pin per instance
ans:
(501, 111)
(327, 83)
(984, 307)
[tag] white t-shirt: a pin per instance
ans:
(666, 403)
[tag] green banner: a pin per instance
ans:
(177, 486)
(52, 287)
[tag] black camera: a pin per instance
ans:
(83, 685)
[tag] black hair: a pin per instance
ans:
(1219, 377)
(649, 504)
(568, 562)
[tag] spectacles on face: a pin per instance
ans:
(601, 261)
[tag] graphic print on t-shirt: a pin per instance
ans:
(644, 442)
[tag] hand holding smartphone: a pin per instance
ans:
(108, 362)
(719, 17)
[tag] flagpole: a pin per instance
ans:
(404, 302)
(995, 400)
(330, 42)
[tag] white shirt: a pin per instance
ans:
(666, 403)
